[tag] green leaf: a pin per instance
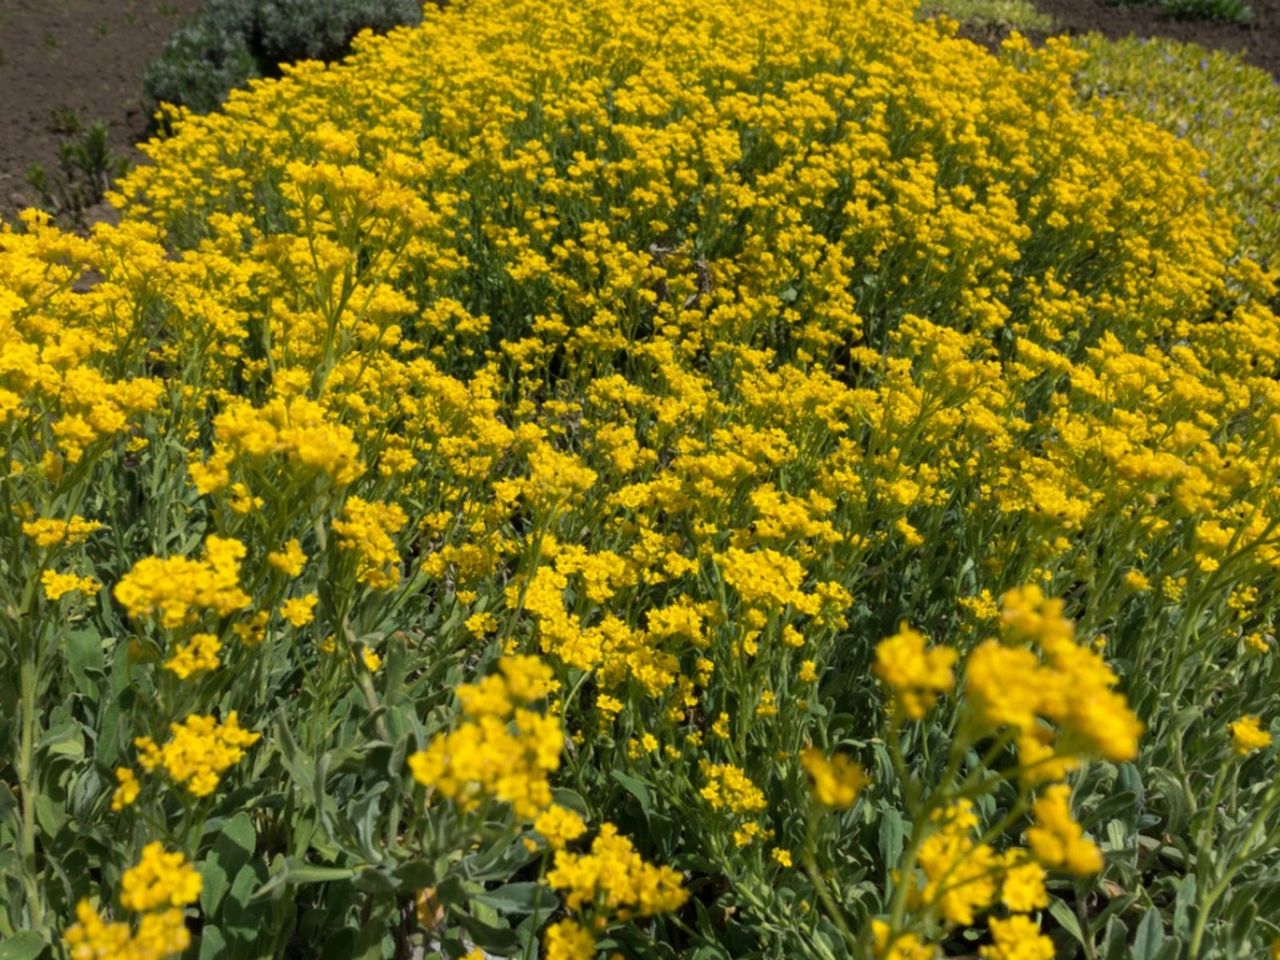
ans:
(84, 652)
(1116, 939)
(517, 897)
(213, 945)
(1150, 936)
(415, 874)
(1067, 919)
(637, 788)
(25, 945)
(245, 918)
(231, 851)
(496, 939)
(341, 946)
(892, 833)
(300, 872)
(1183, 899)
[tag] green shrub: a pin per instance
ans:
(236, 40)
(1019, 14)
(1234, 11)
(1225, 108)
(202, 62)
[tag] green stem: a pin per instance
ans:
(26, 781)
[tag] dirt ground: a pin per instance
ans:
(1258, 40)
(85, 55)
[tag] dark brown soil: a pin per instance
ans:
(85, 55)
(1257, 40)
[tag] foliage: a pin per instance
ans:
(696, 479)
(1018, 14)
(233, 41)
(1233, 11)
(1227, 109)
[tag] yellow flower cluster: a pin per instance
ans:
(568, 940)
(296, 428)
(158, 887)
(50, 532)
(1247, 735)
(729, 788)
(159, 879)
(1017, 938)
(366, 530)
(1040, 673)
(915, 675)
(199, 750)
(197, 654)
(614, 877)
(836, 781)
(1056, 839)
(625, 344)
(58, 585)
(964, 877)
(502, 750)
(177, 589)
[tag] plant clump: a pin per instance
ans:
(701, 479)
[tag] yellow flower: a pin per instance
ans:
(501, 751)
(837, 781)
(1017, 938)
(290, 560)
(50, 532)
(1135, 580)
(781, 857)
(199, 751)
(559, 826)
(1022, 886)
(1247, 735)
(57, 585)
(729, 788)
(614, 876)
(177, 588)
(1057, 841)
(904, 946)
(567, 940)
(299, 611)
(915, 675)
(159, 879)
(127, 790)
(199, 653)
(365, 530)
(160, 934)
(961, 875)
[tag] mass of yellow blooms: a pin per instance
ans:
(666, 469)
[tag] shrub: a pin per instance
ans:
(1018, 14)
(234, 41)
(703, 479)
(1227, 109)
(1233, 11)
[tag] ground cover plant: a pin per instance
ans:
(1226, 108)
(708, 480)
(233, 41)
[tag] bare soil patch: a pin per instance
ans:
(1256, 40)
(83, 55)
